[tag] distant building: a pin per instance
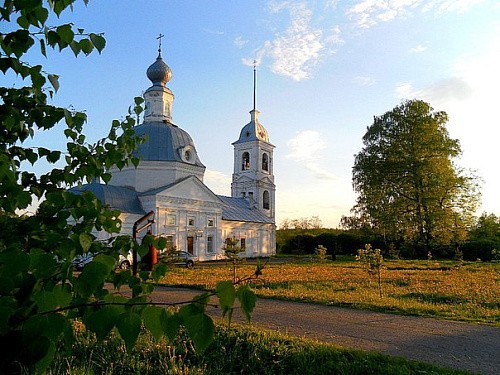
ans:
(169, 181)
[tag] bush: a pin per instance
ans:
(479, 249)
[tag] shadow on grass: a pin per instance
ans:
(435, 298)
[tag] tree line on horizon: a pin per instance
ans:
(483, 242)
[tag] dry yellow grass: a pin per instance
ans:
(468, 292)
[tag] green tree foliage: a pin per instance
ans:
(408, 185)
(40, 296)
(484, 237)
(336, 241)
(314, 222)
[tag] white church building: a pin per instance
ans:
(169, 182)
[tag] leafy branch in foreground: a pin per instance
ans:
(40, 295)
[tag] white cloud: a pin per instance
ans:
(331, 4)
(239, 42)
(418, 49)
(445, 90)
(319, 172)
(218, 182)
(296, 51)
(305, 148)
(214, 32)
(442, 6)
(364, 81)
(334, 37)
(368, 13)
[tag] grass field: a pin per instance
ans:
(239, 350)
(451, 290)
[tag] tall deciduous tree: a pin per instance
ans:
(408, 184)
(39, 293)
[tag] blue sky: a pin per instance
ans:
(325, 69)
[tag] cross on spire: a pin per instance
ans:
(159, 43)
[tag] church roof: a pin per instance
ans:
(239, 209)
(165, 142)
(253, 131)
(117, 197)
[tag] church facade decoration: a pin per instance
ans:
(169, 182)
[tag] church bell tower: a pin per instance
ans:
(253, 176)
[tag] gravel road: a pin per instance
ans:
(470, 347)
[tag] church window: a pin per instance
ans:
(265, 162)
(170, 220)
(210, 244)
(210, 222)
(265, 200)
(191, 221)
(245, 161)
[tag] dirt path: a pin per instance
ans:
(470, 347)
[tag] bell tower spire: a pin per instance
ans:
(254, 82)
(253, 176)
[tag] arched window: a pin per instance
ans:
(265, 162)
(245, 161)
(265, 200)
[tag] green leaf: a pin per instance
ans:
(107, 260)
(41, 15)
(54, 156)
(49, 325)
(102, 321)
(54, 81)
(45, 362)
(92, 277)
(42, 264)
(66, 34)
(86, 46)
(85, 241)
(129, 327)
(14, 262)
(7, 309)
(226, 293)
(160, 243)
(142, 250)
(23, 22)
(75, 47)
(159, 271)
(170, 324)
(98, 41)
(43, 49)
(153, 321)
(247, 300)
(201, 330)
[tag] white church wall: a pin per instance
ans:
(258, 237)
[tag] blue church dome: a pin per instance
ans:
(166, 142)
